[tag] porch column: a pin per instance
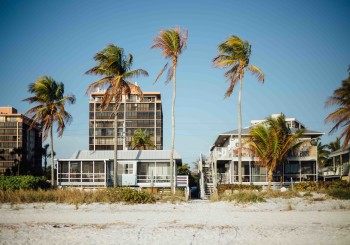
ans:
(105, 168)
(230, 172)
(250, 171)
(299, 170)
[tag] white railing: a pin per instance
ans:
(182, 180)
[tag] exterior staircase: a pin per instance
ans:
(206, 178)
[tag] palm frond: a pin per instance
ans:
(257, 72)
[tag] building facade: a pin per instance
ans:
(17, 142)
(136, 168)
(301, 165)
(134, 113)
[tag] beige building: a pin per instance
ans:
(134, 113)
(15, 134)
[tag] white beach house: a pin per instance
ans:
(222, 162)
(136, 168)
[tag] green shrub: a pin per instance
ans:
(322, 185)
(23, 182)
(339, 193)
(245, 196)
(223, 187)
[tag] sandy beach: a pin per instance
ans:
(277, 221)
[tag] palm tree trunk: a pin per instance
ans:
(172, 186)
(115, 163)
(52, 160)
(240, 131)
(269, 180)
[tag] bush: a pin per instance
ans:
(23, 182)
(223, 187)
(245, 196)
(339, 193)
(322, 185)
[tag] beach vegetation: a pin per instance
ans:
(172, 43)
(24, 182)
(141, 140)
(76, 196)
(270, 143)
(341, 116)
(115, 68)
(49, 110)
(234, 55)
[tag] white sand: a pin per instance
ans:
(196, 222)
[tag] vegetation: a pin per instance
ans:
(110, 195)
(115, 68)
(271, 142)
(50, 109)
(46, 154)
(232, 187)
(336, 189)
(244, 196)
(234, 55)
(141, 140)
(322, 155)
(341, 116)
(18, 153)
(185, 170)
(23, 182)
(172, 43)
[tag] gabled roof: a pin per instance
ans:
(124, 155)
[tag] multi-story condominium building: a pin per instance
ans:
(301, 165)
(134, 113)
(17, 142)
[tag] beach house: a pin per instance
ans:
(340, 165)
(221, 166)
(136, 168)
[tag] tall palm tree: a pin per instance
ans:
(341, 116)
(50, 110)
(115, 68)
(46, 154)
(172, 43)
(234, 56)
(141, 140)
(271, 142)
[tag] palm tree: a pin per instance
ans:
(322, 155)
(18, 153)
(50, 110)
(234, 55)
(334, 145)
(46, 154)
(172, 43)
(115, 67)
(271, 142)
(341, 117)
(141, 140)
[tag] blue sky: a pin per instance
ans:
(302, 47)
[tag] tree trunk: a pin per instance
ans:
(269, 180)
(115, 163)
(52, 160)
(240, 131)
(172, 186)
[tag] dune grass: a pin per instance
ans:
(109, 195)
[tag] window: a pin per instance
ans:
(126, 168)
